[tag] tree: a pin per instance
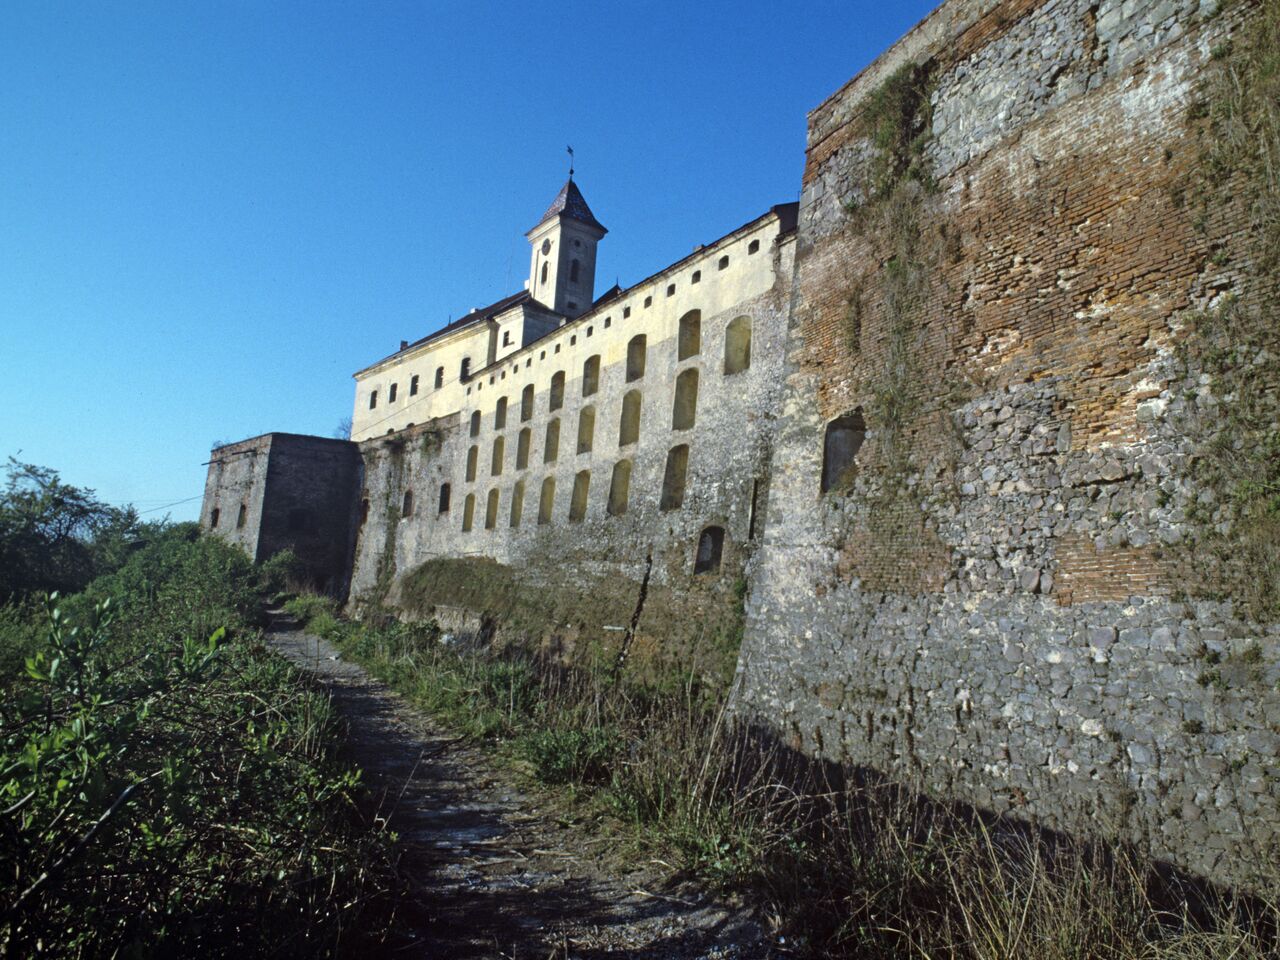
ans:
(54, 536)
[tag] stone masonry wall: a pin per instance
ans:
(988, 606)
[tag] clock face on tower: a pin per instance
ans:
(546, 247)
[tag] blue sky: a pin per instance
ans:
(212, 214)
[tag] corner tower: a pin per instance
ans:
(562, 265)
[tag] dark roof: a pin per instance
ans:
(613, 293)
(475, 316)
(570, 203)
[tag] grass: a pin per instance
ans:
(846, 866)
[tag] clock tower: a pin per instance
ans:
(562, 265)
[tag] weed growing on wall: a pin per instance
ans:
(1235, 344)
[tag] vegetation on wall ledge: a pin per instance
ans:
(1231, 360)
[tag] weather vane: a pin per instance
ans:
(570, 149)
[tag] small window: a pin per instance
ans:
(710, 549)
(573, 341)
(213, 517)
(574, 267)
(608, 322)
(671, 290)
(444, 499)
(591, 375)
(578, 503)
(500, 414)
(544, 271)
(373, 399)
(685, 408)
(491, 510)
(475, 423)
(673, 478)
(844, 437)
(391, 394)
(364, 511)
(619, 488)
(506, 338)
(547, 500)
(413, 385)
(590, 331)
(242, 517)
(517, 503)
(648, 302)
(737, 346)
(753, 246)
(465, 370)
(557, 349)
(555, 399)
(522, 449)
(586, 428)
(499, 454)
(526, 403)
(629, 423)
(689, 341)
(697, 277)
(551, 448)
(473, 455)
(636, 349)
(439, 377)
(724, 262)
(406, 504)
(626, 312)
(468, 512)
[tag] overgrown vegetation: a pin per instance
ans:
(846, 868)
(167, 786)
(1235, 343)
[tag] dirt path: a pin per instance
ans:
(494, 876)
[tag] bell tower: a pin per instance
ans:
(562, 264)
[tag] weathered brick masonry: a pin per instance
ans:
(985, 607)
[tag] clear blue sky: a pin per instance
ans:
(212, 214)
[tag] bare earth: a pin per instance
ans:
(491, 874)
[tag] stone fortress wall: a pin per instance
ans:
(980, 483)
(940, 518)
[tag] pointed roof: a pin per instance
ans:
(570, 203)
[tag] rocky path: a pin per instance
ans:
(493, 875)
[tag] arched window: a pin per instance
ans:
(215, 513)
(753, 247)
(574, 266)
(413, 385)
(373, 399)
(500, 414)
(591, 375)
(475, 423)
(555, 399)
(629, 424)
(465, 371)
(737, 345)
(551, 448)
(473, 457)
(578, 504)
(673, 478)
(710, 548)
(522, 449)
(586, 429)
(547, 501)
(499, 452)
(391, 394)
(517, 503)
(685, 408)
(636, 349)
(723, 262)
(468, 512)
(526, 403)
(439, 377)
(840, 445)
(491, 510)
(242, 517)
(689, 341)
(619, 488)
(444, 499)
(406, 505)
(544, 271)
